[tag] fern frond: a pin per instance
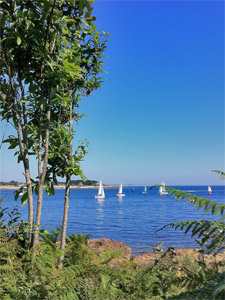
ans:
(211, 233)
(209, 205)
(222, 174)
(220, 287)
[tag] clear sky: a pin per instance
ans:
(160, 112)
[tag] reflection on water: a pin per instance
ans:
(120, 207)
(100, 213)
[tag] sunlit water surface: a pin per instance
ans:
(133, 219)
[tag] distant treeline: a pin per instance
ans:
(81, 182)
(73, 182)
(87, 182)
(12, 182)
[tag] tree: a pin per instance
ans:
(50, 57)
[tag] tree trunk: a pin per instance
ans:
(67, 194)
(42, 175)
(30, 204)
(65, 219)
(26, 166)
(26, 163)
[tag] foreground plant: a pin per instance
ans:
(210, 235)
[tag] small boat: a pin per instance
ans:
(192, 200)
(133, 190)
(162, 190)
(209, 190)
(145, 190)
(22, 192)
(101, 193)
(120, 192)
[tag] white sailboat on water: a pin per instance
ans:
(162, 190)
(120, 192)
(209, 190)
(145, 191)
(101, 193)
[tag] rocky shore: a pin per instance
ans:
(123, 254)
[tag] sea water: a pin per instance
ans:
(133, 219)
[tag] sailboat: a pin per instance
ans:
(101, 193)
(120, 192)
(145, 190)
(133, 190)
(209, 190)
(162, 190)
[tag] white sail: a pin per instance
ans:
(162, 190)
(100, 188)
(120, 189)
(163, 187)
(120, 192)
(209, 189)
(101, 193)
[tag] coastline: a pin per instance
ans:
(61, 187)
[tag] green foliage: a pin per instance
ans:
(210, 235)
(10, 183)
(51, 58)
(221, 173)
(34, 274)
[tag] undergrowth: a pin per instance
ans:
(35, 274)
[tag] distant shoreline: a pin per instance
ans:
(61, 187)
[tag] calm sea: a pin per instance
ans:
(133, 219)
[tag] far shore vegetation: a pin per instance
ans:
(73, 183)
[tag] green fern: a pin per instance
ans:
(220, 288)
(208, 205)
(222, 174)
(210, 235)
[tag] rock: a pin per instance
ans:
(102, 244)
(209, 258)
(193, 253)
(117, 262)
(145, 259)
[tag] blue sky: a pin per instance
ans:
(160, 112)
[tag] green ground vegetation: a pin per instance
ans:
(35, 273)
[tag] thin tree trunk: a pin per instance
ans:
(22, 142)
(26, 165)
(67, 194)
(65, 219)
(42, 176)
(30, 204)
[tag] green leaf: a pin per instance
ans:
(50, 155)
(24, 198)
(48, 191)
(18, 41)
(52, 189)
(44, 232)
